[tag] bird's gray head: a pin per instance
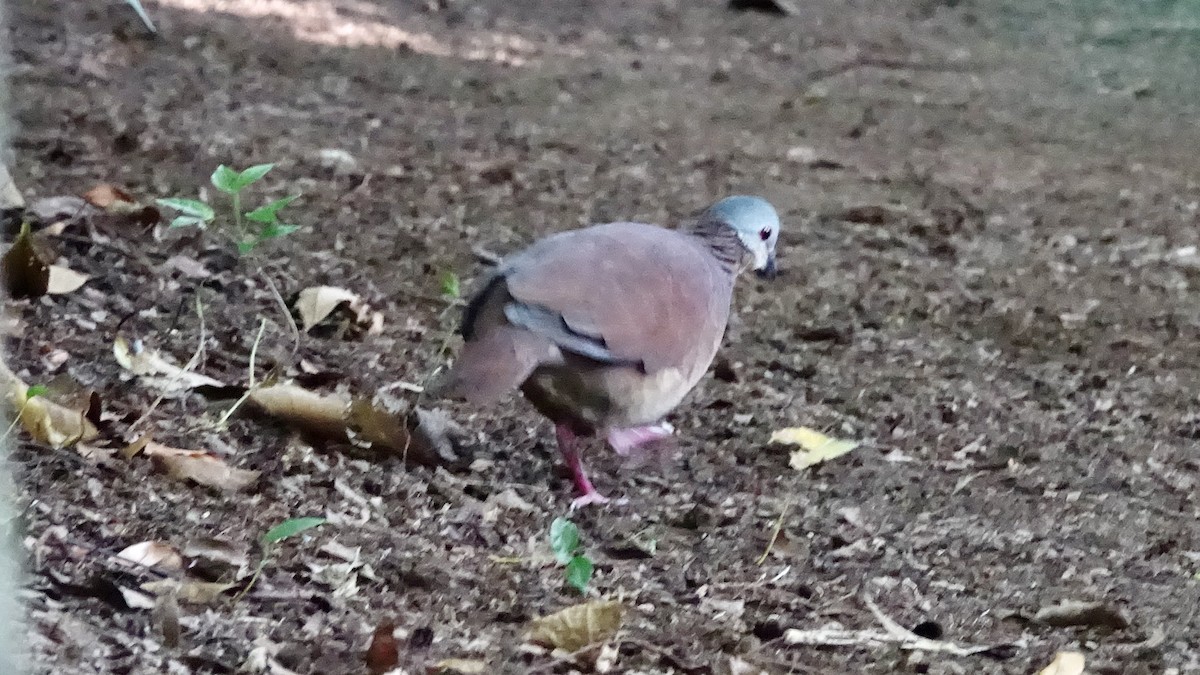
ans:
(756, 224)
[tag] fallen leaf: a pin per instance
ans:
(217, 551)
(153, 554)
(577, 627)
(64, 280)
(188, 591)
(1065, 663)
(460, 667)
(117, 201)
(1076, 613)
(815, 447)
(342, 417)
(105, 195)
(383, 654)
(46, 421)
(312, 412)
(136, 600)
(10, 195)
(26, 275)
(315, 304)
(158, 371)
(200, 467)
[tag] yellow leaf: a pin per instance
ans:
(815, 447)
(46, 421)
(1065, 663)
(576, 627)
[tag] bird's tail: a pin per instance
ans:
(494, 364)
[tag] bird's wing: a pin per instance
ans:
(623, 293)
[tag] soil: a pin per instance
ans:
(989, 244)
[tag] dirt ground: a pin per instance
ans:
(989, 244)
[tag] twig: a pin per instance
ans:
(188, 367)
(287, 314)
(262, 326)
(774, 532)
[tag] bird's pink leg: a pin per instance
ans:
(568, 444)
(628, 442)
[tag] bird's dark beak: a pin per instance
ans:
(768, 272)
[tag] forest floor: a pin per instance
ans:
(990, 237)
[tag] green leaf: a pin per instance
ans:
(253, 174)
(189, 207)
(290, 528)
(579, 572)
(564, 539)
(274, 230)
(450, 285)
(269, 213)
(248, 245)
(186, 221)
(226, 180)
(35, 390)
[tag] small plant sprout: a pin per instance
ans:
(285, 530)
(564, 541)
(249, 228)
(451, 288)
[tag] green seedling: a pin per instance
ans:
(451, 288)
(564, 541)
(269, 541)
(250, 228)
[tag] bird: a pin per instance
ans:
(605, 329)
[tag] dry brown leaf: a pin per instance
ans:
(316, 303)
(383, 654)
(64, 280)
(312, 412)
(153, 554)
(201, 467)
(190, 592)
(130, 451)
(105, 196)
(216, 550)
(576, 627)
(46, 421)
(159, 372)
(1065, 663)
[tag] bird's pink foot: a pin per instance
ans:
(635, 441)
(567, 445)
(588, 499)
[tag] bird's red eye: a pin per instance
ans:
(764, 233)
